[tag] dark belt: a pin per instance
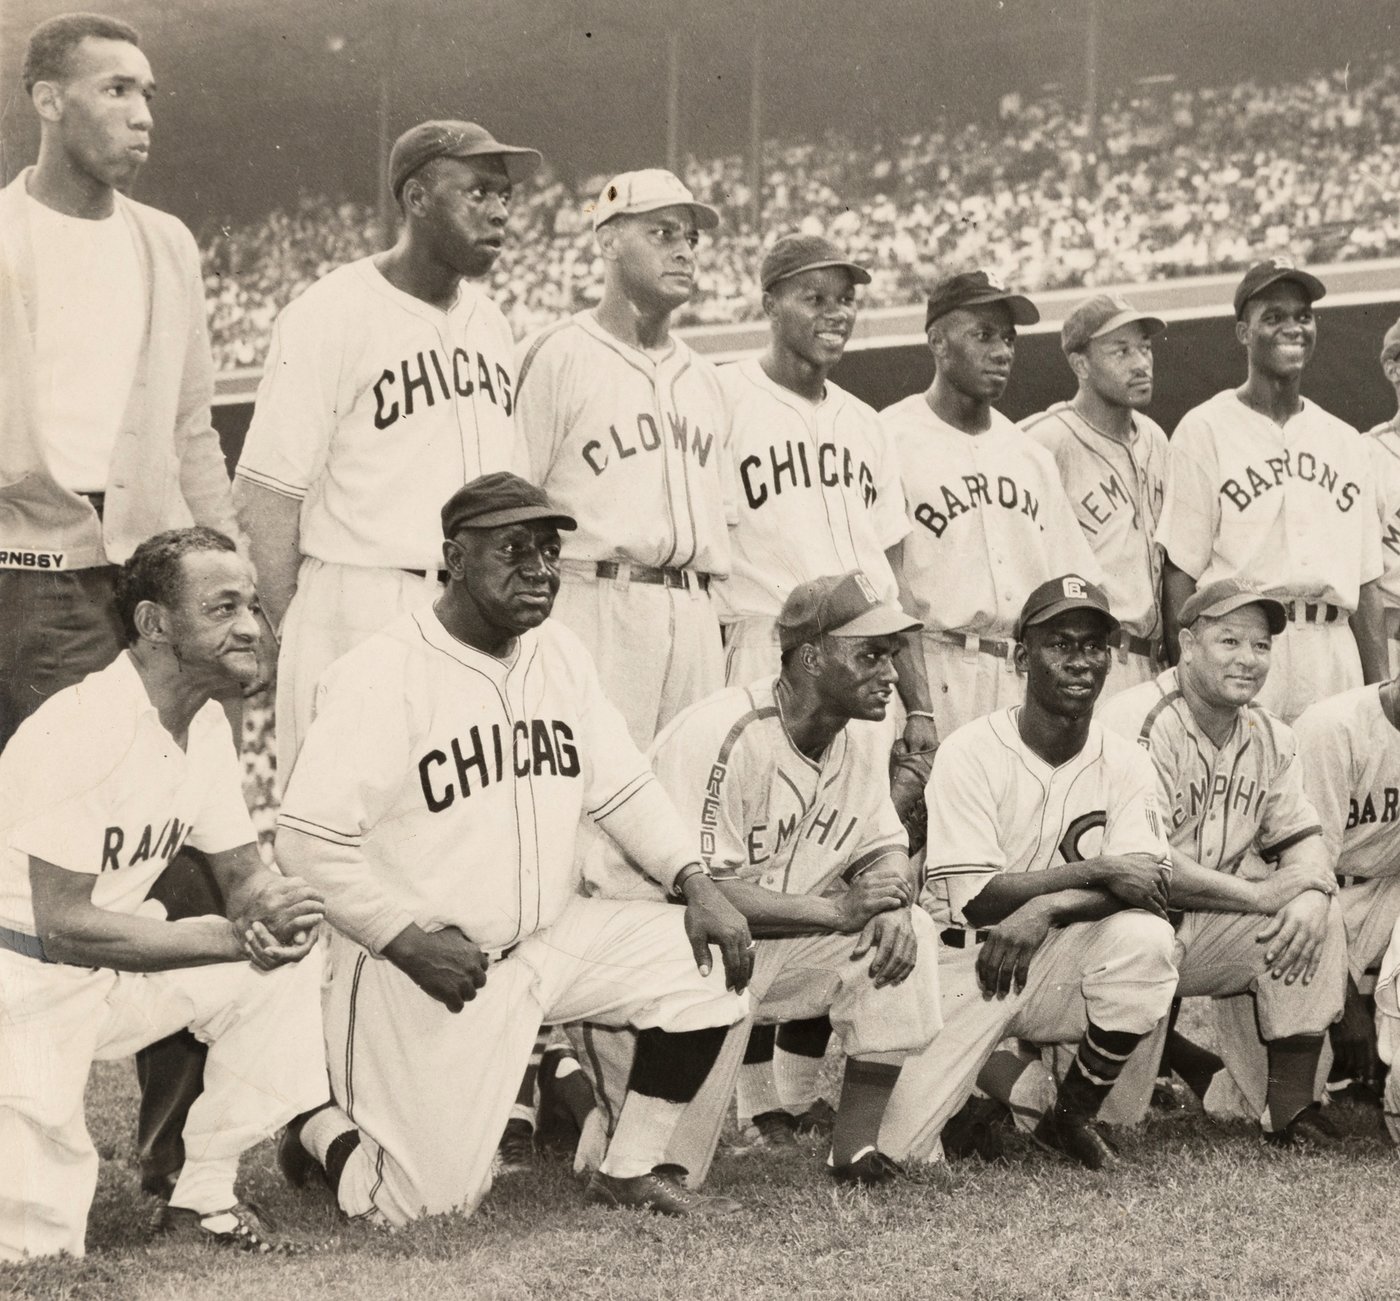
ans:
(1313, 612)
(97, 500)
(998, 649)
(30, 946)
(957, 938)
(1138, 646)
(659, 576)
(442, 574)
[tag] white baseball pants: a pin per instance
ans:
(1310, 661)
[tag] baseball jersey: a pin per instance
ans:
(990, 520)
(374, 407)
(816, 491)
(1383, 443)
(1116, 489)
(1221, 802)
(631, 444)
(93, 783)
(994, 805)
(444, 786)
(1289, 509)
(1351, 771)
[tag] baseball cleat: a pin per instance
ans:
(975, 1129)
(242, 1226)
(870, 1168)
(516, 1153)
(1077, 1138)
(564, 1102)
(661, 1191)
(1309, 1130)
(293, 1160)
(819, 1118)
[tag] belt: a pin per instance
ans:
(440, 574)
(955, 937)
(30, 946)
(1130, 645)
(658, 576)
(1001, 650)
(1313, 612)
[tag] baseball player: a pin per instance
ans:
(98, 791)
(1047, 872)
(990, 518)
(387, 382)
(1267, 487)
(1388, 1031)
(1113, 462)
(437, 800)
(625, 427)
(783, 786)
(1250, 871)
(1384, 445)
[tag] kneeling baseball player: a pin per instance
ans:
(1047, 871)
(102, 786)
(436, 800)
(783, 789)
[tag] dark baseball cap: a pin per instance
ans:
(972, 288)
(839, 605)
(1390, 345)
(1263, 274)
(449, 139)
(1100, 315)
(1056, 595)
(497, 499)
(793, 254)
(1226, 594)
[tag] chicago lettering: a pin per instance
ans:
(1365, 811)
(978, 491)
(31, 559)
(164, 845)
(1303, 466)
(831, 466)
(525, 749)
(427, 377)
(646, 436)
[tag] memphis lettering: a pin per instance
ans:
(472, 762)
(1245, 795)
(978, 491)
(1302, 466)
(645, 435)
(829, 465)
(427, 378)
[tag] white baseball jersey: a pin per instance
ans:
(816, 491)
(445, 786)
(631, 444)
(1351, 770)
(1289, 509)
(120, 805)
(374, 408)
(1116, 489)
(994, 805)
(990, 520)
(1220, 802)
(1383, 443)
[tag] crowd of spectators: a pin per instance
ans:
(1176, 182)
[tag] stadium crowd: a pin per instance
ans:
(1181, 182)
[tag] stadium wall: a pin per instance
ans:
(1197, 357)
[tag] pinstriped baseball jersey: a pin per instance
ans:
(1290, 510)
(1116, 490)
(1351, 771)
(1221, 801)
(994, 805)
(374, 406)
(633, 446)
(990, 520)
(817, 491)
(1383, 443)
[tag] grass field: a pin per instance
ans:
(1202, 1210)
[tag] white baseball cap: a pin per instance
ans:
(646, 191)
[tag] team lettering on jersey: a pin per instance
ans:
(979, 491)
(835, 467)
(1390, 533)
(1238, 794)
(425, 378)
(764, 840)
(1109, 497)
(1304, 467)
(522, 749)
(1364, 811)
(646, 436)
(152, 844)
(31, 559)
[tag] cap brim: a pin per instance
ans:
(520, 163)
(1309, 284)
(1274, 613)
(706, 217)
(519, 515)
(878, 621)
(1153, 323)
(1059, 607)
(1023, 311)
(858, 273)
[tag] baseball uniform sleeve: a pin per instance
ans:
(964, 852)
(1372, 557)
(1191, 512)
(541, 407)
(1288, 815)
(1134, 823)
(709, 794)
(888, 514)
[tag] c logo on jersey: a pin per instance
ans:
(978, 493)
(491, 379)
(1072, 849)
(164, 845)
(836, 468)
(532, 748)
(1303, 466)
(648, 439)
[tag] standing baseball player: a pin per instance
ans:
(1384, 445)
(1047, 871)
(625, 428)
(1250, 871)
(388, 381)
(98, 791)
(437, 802)
(1267, 487)
(1113, 462)
(990, 518)
(783, 786)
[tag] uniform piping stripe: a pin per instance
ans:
(1168, 699)
(685, 476)
(360, 961)
(279, 486)
(1271, 852)
(378, 1178)
(962, 869)
(797, 794)
(732, 737)
(619, 802)
(597, 1072)
(870, 857)
(293, 823)
(536, 346)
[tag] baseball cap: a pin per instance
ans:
(450, 139)
(969, 289)
(1390, 345)
(497, 499)
(793, 254)
(1056, 595)
(1100, 315)
(1263, 274)
(839, 605)
(1226, 594)
(646, 191)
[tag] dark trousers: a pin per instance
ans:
(55, 629)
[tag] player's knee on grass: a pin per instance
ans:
(672, 1065)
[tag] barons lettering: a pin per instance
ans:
(646, 436)
(976, 491)
(164, 844)
(1365, 811)
(31, 559)
(427, 377)
(527, 749)
(832, 466)
(1303, 466)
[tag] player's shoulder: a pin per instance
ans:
(1146, 712)
(382, 657)
(340, 298)
(847, 403)
(730, 722)
(1332, 425)
(975, 742)
(160, 227)
(554, 345)
(1122, 758)
(1347, 711)
(1052, 427)
(1209, 418)
(910, 411)
(1266, 730)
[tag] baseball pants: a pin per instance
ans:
(1310, 661)
(1217, 954)
(1388, 1030)
(657, 648)
(430, 1091)
(964, 684)
(751, 651)
(1392, 638)
(1117, 972)
(55, 1021)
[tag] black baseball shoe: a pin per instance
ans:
(819, 1118)
(660, 1191)
(293, 1160)
(1308, 1131)
(1077, 1138)
(243, 1226)
(516, 1153)
(977, 1128)
(870, 1168)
